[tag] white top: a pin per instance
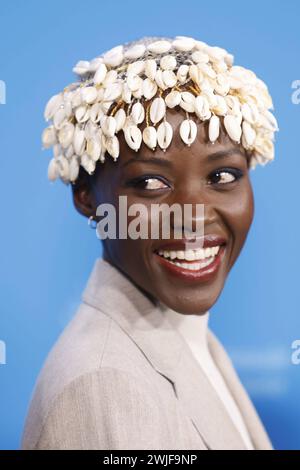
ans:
(193, 328)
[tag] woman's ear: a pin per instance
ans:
(83, 195)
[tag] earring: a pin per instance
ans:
(92, 222)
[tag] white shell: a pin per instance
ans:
(126, 93)
(73, 169)
(133, 137)
(82, 67)
(110, 78)
(113, 147)
(164, 134)
(114, 56)
(82, 113)
(136, 68)
(135, 52)
(173, 99)
(187, 101)
(182, 73)
(168, 62)
(79, 141)
(49, 137)
(249, 134)
(53, 172)
(149, 88)
(96, 112)
(150, 68)
(113, 92)
(100, 74)
(169, 78)
(95, 64)
(93, 148)
(214, 128)
(200, 56)
(183, 44)
(63, 167)
(220, 107)
(202, 108)
(108, 125)
(196, 74)
(233, 127)
(87, 163)
(134, 82)
(150, 137)
(52, 106)
(250, 113)
(159, 47)
(188, 131)
(157, 110)
(137, 113)
(65, 135)
(59, 118)
(120, 118)
(89, 94)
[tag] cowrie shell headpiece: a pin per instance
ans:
(137, 82)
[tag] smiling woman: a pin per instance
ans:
(138, 367)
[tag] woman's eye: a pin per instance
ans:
(225, 176)
(149, 183)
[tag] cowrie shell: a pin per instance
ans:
(89, 94)
(114, 56)
(182, 73)
(196, 74)
(79, 141)
(135, 52)
(187, 101)
(164, 134)
(214, 128)
(150, 68)
(82, 113)
(108, 125)
(52, 106)
(113, 92)
(120, 118)
(110, 78)
(149, 88)
(159, 47)
(233, 127)
(100, 74)
(136, 67)
(73, 169)
(137, 113)
(65, 134)
(168, 62)
(53, 172)
(173, 99)
(113, 147)
(59, 118)
(133, 136)
(87, 163)
(63, 167)
(150, 137)
(202, 108)
(183, 44)
(49, 137)
(134, 82)
(249, 134)
(199, 56)
(93, 148)
(157, 110)
(82, 67)
(188, 131)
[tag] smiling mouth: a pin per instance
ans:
(200, 263)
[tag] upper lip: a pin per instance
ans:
(202, 242)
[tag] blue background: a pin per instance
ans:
(47, 249)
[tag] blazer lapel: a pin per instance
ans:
(110, 291)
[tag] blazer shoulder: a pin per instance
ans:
(90, 343)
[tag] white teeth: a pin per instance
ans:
(190, 255)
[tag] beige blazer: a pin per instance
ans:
(121, 377)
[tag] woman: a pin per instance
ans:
(157, 121)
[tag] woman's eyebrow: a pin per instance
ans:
(225, 153)
(159, 161)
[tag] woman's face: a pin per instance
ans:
(215, 175)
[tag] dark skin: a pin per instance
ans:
(189, 176)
